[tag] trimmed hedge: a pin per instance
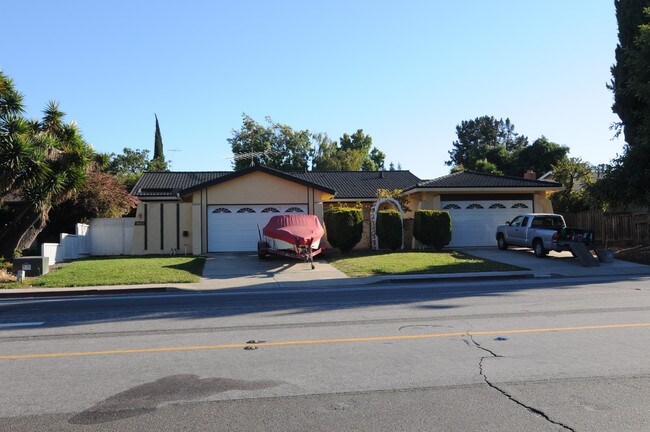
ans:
(389, 229)
(344, 227)
(432, 228)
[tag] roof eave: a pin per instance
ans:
(484, 189)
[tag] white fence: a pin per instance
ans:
(70, 246)
(101, 237)
(111, 236)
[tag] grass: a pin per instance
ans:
(366, 263)
(119, 271)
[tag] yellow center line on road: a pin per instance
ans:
(321, 341)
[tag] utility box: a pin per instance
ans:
(33, 266)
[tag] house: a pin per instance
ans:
(204, 212)
(478, 203)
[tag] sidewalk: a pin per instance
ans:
(241, 272)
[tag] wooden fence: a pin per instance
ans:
(613, 228)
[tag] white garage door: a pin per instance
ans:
(235, 228)
(474, 223)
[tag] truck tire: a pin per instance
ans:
(501, 242)
(539, 249)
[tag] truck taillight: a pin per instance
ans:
(555, 237)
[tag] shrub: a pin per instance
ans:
(389, 229)
(344, 227)
(432, 228)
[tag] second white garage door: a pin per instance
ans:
(234, 228)
(474, 223)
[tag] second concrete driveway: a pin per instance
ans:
(231, 270)
(556, 263)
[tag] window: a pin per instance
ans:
(475, 206)
(516, 221)
(270, 210)
(221, 210)
(519, 205)
(451, 206)
(497, 206)
(245, 210)
(294, 210)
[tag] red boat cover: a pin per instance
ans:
(297, 229)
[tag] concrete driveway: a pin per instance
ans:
(557, 263)
(231, 270)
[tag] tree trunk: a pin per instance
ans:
(21, 233)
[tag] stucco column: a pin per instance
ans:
(196, 228)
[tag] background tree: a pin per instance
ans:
(540, 156)
(486, 144)
(577, 177)
(102, 196)
(492, 146)
(627, 181)
(158, 162)
(128, 166)
(278, 145)
(352, 153)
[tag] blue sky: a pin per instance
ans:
(405, 72)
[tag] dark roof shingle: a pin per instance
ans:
(346, 184)
(359, 184)
(471, 180)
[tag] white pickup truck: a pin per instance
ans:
(543, 232)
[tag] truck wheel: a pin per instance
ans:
(540, 250)
(501, 242)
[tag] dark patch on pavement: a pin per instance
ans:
(145, 398)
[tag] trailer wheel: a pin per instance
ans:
(262, 249)
(540, 250)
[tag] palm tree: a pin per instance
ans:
(42, 162)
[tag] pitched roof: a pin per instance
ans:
(473, 180)
(168, 184)
(345, 184)
(360, 184)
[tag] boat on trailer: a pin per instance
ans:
(294, 236)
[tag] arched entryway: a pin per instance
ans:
(374, 240)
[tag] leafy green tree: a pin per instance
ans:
(488, 140)
(540, 156)
(492, 146)
(352, 153)
(576, 176)
(628, 179)
(276, 145)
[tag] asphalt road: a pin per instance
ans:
(519, 355)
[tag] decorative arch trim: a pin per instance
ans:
(374, 240)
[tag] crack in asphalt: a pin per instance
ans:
(505, 393)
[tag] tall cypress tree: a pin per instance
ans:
(629, 179)
(158, 144)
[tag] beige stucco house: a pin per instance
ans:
(205, 212)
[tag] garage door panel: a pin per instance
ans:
(477, 226)
(235, 228)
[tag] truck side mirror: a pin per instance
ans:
(508, 223)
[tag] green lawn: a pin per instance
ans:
(119, 271)
(386, 263)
